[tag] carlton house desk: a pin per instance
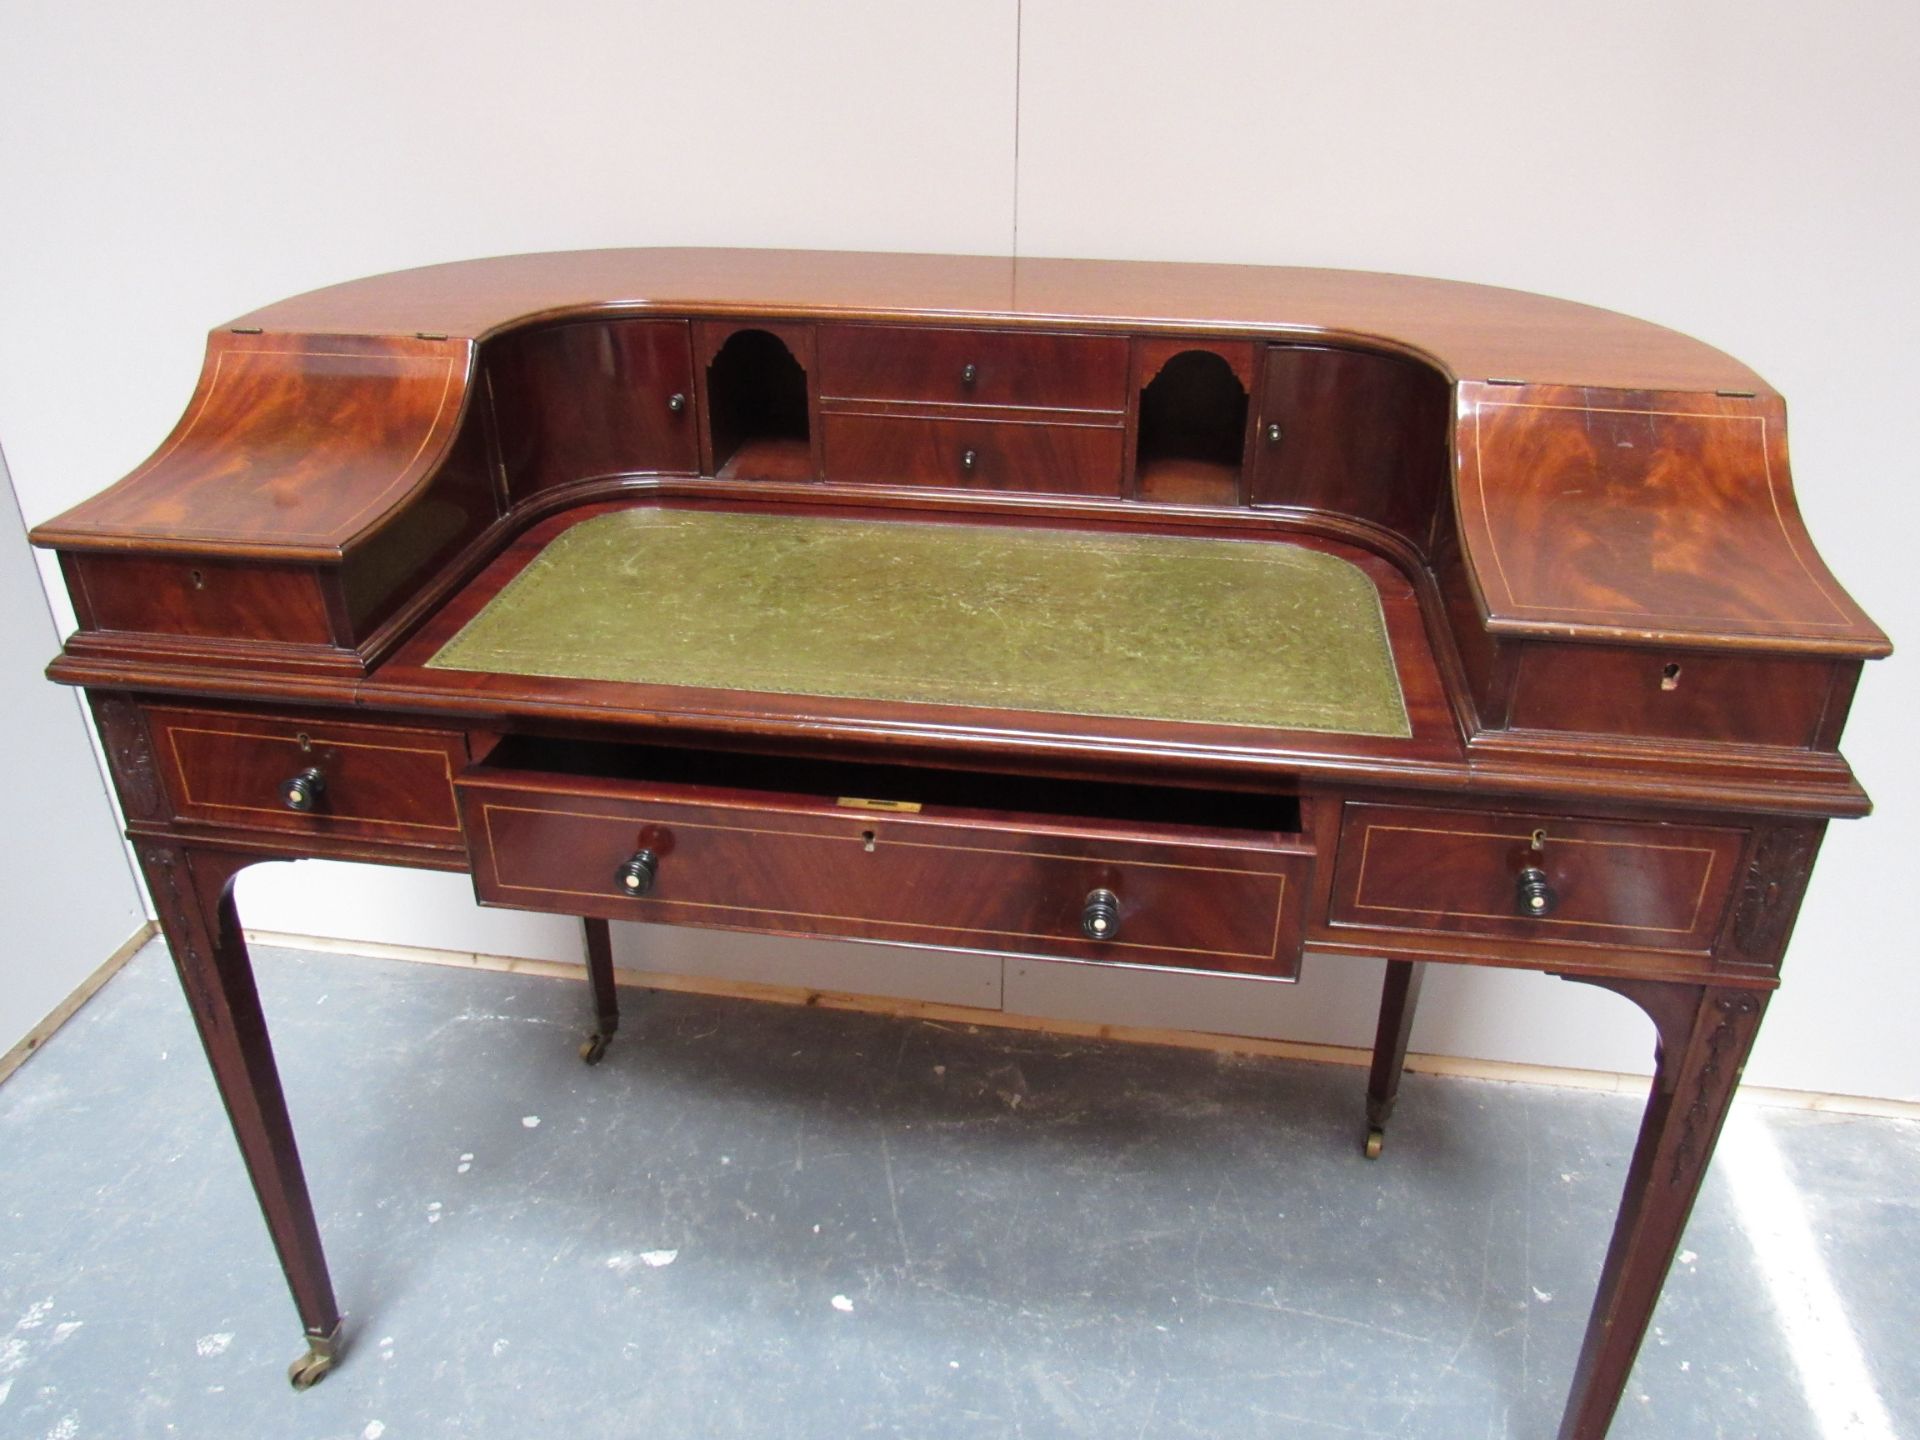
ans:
(1186, 616)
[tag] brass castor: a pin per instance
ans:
(1376, 1137)
(593, 1047)
(309, 1370)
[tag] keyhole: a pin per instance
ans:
(866, 841)
(198, 580)
(1670, 677)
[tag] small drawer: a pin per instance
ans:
(375, 782)
(791, 862)
(1617, 884)
(973, 367)
(975, 455)
(1751, 699)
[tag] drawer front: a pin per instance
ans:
(888, 877)
(388, 783)
(975, 455)
(1754, 699)
(1613, 883)
(973, 367)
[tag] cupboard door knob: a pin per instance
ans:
(676, 402)
(1533, 894)
(969, 459)
(304, 790)
(1273, 432)
(635, 878)
(1100, 916)
(969, 374)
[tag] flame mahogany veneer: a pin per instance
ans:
(1625, 668)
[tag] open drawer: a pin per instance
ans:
(1144, 875)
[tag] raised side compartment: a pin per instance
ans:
(791, 847)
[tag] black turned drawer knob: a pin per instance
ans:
(676, 402)
(969, 459)
(636, 876)
(969, 374)
(304, 790)
(1100, 917)
(1534, 895)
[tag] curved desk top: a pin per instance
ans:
(1469, 332)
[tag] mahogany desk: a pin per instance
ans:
(1273, 609)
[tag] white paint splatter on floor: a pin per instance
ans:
(208, 1346)
(466, 1164)
(373, 1431)
(532, 1122)
(843, 1304)
(623, 1262)
(65, 1328)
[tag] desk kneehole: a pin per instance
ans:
(1149, 893)
(1546, 879)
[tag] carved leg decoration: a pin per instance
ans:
(1705, 1035)
(1398, 998)
(192, 890)
(606, 999)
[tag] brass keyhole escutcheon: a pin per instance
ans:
(868, 840)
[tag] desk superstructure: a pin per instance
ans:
(1174, 615)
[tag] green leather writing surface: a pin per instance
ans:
(1236, 632)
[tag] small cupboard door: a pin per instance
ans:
(589, 398)
(1351, 432)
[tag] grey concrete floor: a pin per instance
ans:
(769, 1221)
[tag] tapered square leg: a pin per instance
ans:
(1706, 1034)
(193, 896)
(606, 997)
(1399, 997)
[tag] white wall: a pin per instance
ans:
(68, 898)
(1740, 171)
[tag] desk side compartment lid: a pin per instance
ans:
(1643, 518)
(294, 446)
